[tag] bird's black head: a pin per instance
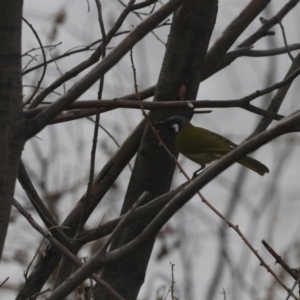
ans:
(175, 123)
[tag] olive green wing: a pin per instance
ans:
(199, 140)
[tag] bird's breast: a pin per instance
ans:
(198, 145)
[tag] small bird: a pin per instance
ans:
(203, 146)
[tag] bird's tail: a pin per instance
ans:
(254, 165)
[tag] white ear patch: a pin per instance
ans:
(175, 127)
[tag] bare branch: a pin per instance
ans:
(266, 26)
(143, 4)
(35, 199)
(97, 121)
(151, 208)
(285, 40)
(231, 33)
(39, 122)
(61, 248)
(279, 97)
(84, 65)
(242, 102)
(44, 59)
(279, 260)
(2, 283)
(122, 222)
(176, 203)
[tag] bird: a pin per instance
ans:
(203, 146)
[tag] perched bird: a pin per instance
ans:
(203, 146)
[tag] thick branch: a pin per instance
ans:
(62, 248)
(100, 260)
(102, 183)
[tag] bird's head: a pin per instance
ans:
(175, 123)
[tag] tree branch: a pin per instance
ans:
(242, 102)
(99, 260)
(62, 248)
(38, 123)
(261, 32)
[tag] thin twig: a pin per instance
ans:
(107, 132)
(86, 48)
(30, 61)
(151, 208)
(111, 136)
(88, 6)
(292, 289)
(34, 197)
(279, 260)
(39, 205)
(38, 294)
(62, 249)
(59, 71)
(117, 229)
(44, 59)
(85, 64)
(45, 117)
(245, 240)
(278, 98)
(26, 281)
(172, 287)
(102, 29)
(285, 41)
(3, 282)
(40, 88)
(249, 52)
(97, 121)
(138, 15)
(161, 143)
(34, 49)
(266, 26)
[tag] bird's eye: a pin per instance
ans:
(175, 127)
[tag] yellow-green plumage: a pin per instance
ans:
(203, 146)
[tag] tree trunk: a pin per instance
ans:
(11, 115)
(179, 79)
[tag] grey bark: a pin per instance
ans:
(179, 79)
(11, 117)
